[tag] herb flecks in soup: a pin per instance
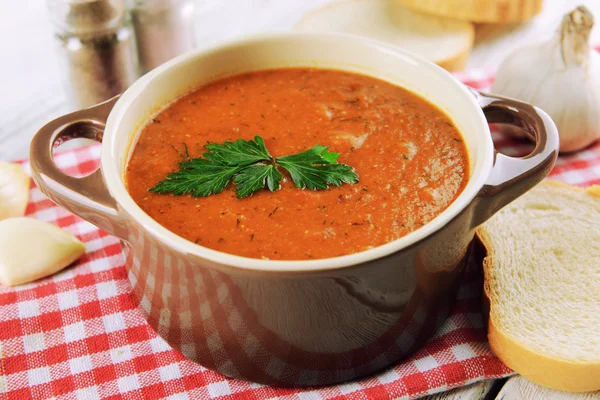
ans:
(411, 160)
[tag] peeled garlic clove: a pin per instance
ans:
(32, 249)
(14, 190)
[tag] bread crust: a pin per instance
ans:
(548, 371)
(491, 11)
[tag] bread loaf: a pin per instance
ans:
(446, 42)
(493, 11)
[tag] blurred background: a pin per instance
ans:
(32, 90)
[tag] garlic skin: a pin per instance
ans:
(32, 249)
(562, 77)
(14, 190)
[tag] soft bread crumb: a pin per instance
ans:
(543, 271)
(542, 280)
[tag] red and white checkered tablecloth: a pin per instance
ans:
(79, 334)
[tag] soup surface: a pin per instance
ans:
(411, 161)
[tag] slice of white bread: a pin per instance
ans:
(542, 281)
(444, 41)
(495, 11)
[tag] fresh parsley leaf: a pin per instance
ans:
(317, 168)
(198, 177)
(329, 157)
(239, 153)
(251, 167)
(254, 177)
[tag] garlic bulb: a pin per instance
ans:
(14, 190)
(562, 77)
(32, 249)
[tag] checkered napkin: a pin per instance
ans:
(79, 334)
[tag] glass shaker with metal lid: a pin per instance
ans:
(96, 48)
(163, 29)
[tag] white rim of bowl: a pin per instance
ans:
(117, 188)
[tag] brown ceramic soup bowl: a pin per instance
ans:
(307, 322)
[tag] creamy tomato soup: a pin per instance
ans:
(410, 159)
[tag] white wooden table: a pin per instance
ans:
(31, 93)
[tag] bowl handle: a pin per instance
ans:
(511, 177)
(87, 197)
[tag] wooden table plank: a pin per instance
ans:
(519, 388)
